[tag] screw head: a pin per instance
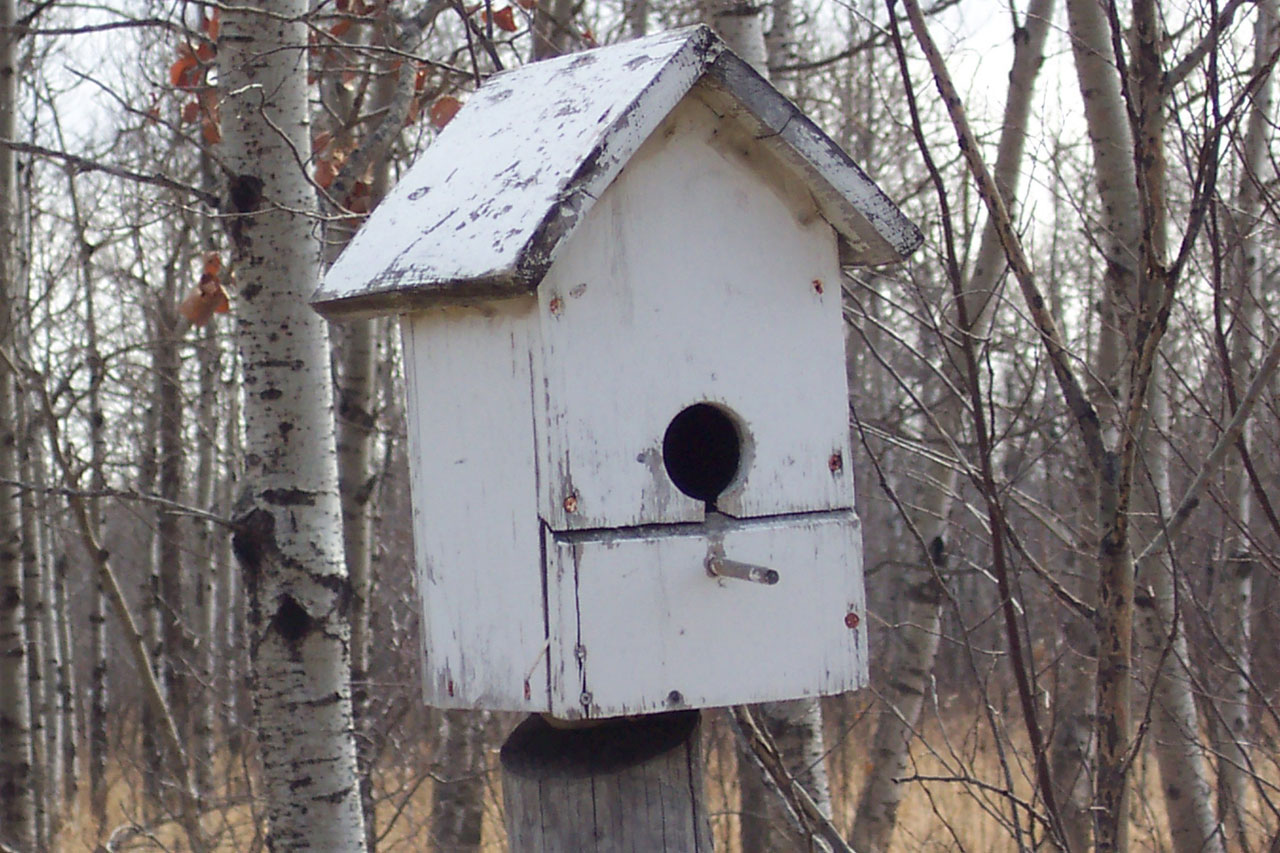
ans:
(851, 620)
(556, 305)
(585, 699)
(836, 462)
(571, 503)
(817, 286)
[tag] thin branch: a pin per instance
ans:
(82, 164)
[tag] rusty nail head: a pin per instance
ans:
(817, 286)
(851, 620)
(556, 305)
(836, 463)
(571, 503)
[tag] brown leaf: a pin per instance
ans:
(505, 19)
(185, 70)
(205, 299)
(443, 110)
(210, 131)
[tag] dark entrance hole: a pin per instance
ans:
(702, 450)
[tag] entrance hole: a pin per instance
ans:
(702, 450)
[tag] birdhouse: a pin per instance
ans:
(619, 278)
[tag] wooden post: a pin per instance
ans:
(624, 784)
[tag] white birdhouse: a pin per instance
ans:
(619, 274)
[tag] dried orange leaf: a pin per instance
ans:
(210, 131)
(182, 71)
(505, 19)
(443, 110)
(325, 173)
(205, 299)
(190, 111)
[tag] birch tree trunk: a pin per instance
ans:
(35, 615)
(458, 793)
(1232, 601)
(17, 805)
(1112, 144)
(170, 652)
(96, 712)
(288, 538)
(916, 637)
(208, 609)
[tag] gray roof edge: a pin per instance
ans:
(827, 161)
(407, 297)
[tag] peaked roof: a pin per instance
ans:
(483, 211)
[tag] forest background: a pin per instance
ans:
(1065, 406)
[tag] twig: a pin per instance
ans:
(82, 164)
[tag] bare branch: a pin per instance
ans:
(82, 164)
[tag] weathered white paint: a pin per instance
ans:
(649, 311)
(642, 626)
(476, 529)
(488, 206)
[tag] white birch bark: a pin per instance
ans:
(17, 805)
(1232, 601)
(208, 610)
(457, 795)
(1162, 644)
(96, 712)
(289, 520)
(35, 614)
(916, 636)
(1112, 144)
(171, 658)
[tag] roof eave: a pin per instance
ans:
(872, 229)
(409, 296)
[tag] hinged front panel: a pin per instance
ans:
(703, 276)
(638, 625)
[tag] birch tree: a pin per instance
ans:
(17, 803)
(288, 539)
(1232, 600)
